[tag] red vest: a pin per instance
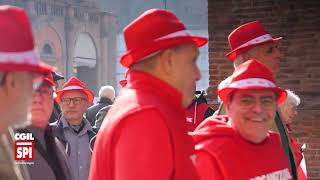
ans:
(142, 92)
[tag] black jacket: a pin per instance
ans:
(94, 109)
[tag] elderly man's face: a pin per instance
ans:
(252, 113)
(42, 106)
(186, 71)
(269, 55)
(73, 105)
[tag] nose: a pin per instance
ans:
(198, 74)
(71, 104)
(257, 107)
(36, 97)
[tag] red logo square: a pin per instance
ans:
(24, 150)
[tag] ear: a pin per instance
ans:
(167, 61)
(10, 82)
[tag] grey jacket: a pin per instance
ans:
(50, 158)
(9, 170)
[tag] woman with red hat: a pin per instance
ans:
(239, 145)
(143, 135)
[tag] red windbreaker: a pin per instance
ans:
(221, 153)
(143, 136)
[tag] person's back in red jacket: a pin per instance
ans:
(144, 135)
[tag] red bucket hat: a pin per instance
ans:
(251, 75)
(246, 37)
(153, 31)
(17, 50)
(75, 84)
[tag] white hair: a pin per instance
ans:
(241, 58)
(107, 92)
(224, 83)
(292, 97)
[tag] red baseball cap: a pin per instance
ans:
(17, 49)
(252, 75)
(246, 37)
(155, 30)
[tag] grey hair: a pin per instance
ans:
(107, 92)
(239, 60)
(244, 57)
(292, 97)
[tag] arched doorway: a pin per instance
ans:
(85, 60)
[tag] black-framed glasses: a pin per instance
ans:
(76, 100)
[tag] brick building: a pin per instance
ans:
(299, 23)
(76, 37)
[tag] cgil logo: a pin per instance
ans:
(24, 146)
(23, 136)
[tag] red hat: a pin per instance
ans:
(252, 75)
(74, 84)
(123, 82)
(17, 50)
(153, 31)
(49, 79)
(246, 37)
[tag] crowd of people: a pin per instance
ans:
(156, 128)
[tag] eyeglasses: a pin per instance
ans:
(76, 100)
(265, 102)
(45, 93)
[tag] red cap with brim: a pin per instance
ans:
(153, 31)
(232, 55)
(281, 94)
(75, 84)
(251, 75)
(136, 55)
(17, 49)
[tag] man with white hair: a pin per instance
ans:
(106, 98)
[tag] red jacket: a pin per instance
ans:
(223, 154)
(143, 136)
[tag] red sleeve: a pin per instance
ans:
(143, 149)
(297, 151)
(207, 167)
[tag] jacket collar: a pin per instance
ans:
(146, 81)
(104, 100)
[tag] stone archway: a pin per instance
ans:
(85, 60)
(49, 46)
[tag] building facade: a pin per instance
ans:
(76, 37)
